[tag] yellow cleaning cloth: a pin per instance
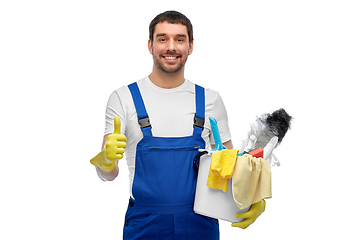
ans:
(221, 168)
(251, 180)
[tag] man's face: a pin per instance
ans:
(170, 47)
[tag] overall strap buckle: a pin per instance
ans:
(198, 122)
(144, 122)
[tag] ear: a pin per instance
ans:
(191, 47)
(150, 46)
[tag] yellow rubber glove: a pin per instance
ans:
(255, 211)
(114, 149)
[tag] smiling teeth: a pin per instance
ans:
(171, 58)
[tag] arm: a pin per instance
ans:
(107, 176)
(219, 125)
(114, 144)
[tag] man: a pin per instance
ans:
(165, 120)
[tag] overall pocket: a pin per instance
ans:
(165, 175)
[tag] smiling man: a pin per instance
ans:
(165, 120)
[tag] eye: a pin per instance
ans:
(162, 39)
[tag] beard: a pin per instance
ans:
(166, 69)
(169, 68)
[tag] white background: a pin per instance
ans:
(60, 61)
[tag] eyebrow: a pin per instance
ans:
(164, 34)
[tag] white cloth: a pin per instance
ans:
(171, 113)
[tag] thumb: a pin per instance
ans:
(117, 125)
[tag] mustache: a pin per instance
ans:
(171, 53)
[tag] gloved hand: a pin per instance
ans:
(114, 149)
(255, 211)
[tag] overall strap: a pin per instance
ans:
(199, 118)
(143, 117)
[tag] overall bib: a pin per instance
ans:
(165, 181)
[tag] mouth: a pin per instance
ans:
(170, 57)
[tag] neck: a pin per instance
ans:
(167, 80)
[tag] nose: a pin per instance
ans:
(171, 46)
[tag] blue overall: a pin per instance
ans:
(165, 181)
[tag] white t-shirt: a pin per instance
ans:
(171, 113)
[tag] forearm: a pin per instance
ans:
(108, 176)
(227, 144)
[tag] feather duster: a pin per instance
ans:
(268, 126)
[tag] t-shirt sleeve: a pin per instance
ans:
(220, 114)
(114, 108)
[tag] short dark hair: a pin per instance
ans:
(171, 17)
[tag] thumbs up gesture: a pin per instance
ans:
(115, 143)
(114, 149)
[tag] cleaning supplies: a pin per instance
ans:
(265, 135)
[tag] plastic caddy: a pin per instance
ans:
(213, 202)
